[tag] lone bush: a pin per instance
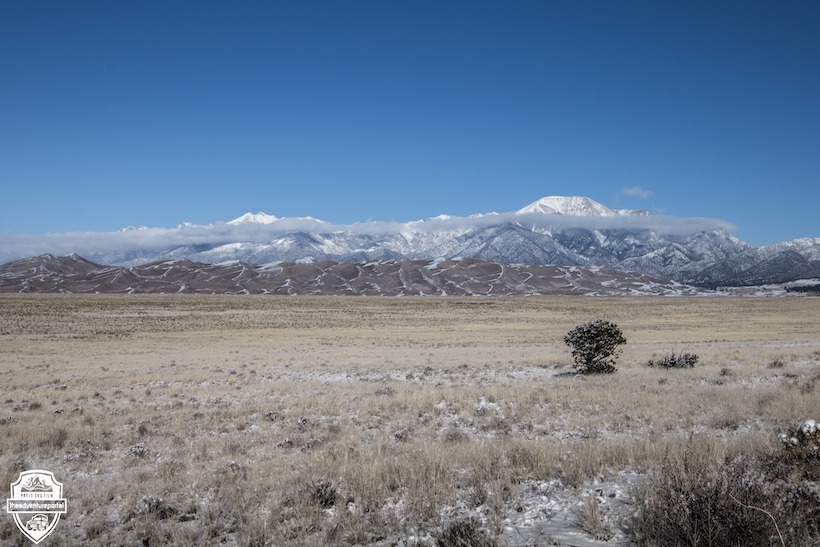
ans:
(595, 346)
(684, 360)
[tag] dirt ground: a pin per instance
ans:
(250, 420)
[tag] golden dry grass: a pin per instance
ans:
(196, 420)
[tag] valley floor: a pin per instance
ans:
(249, 420)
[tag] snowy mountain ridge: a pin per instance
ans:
(575, 206)
(560, 230)
(258, 218)
(565, 231)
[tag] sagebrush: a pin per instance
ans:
(682, 360)
(756, 499)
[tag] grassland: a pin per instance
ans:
(200, 420)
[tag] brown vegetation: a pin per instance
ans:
(195, 420)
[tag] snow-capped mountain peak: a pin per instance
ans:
(575, 206)
(567, 231)
(258, 218)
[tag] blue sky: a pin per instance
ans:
(156, 113)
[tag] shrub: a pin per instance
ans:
(751, 499)
(802, 444)
(684, 360)
(595, 346)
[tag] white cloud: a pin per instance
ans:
(636, 192)
(132, 245)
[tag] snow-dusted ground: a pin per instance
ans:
(200, 420)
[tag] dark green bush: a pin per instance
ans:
(595, 346)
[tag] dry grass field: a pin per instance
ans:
(215, 420)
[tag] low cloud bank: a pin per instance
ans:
(135, 241)
(636, 192)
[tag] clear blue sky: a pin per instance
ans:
(156, 113)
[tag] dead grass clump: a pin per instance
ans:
(591, 520)
(777, 362)
(53, 438)
(810, 385)
(454, 434)
(464, 532)
(156, 507)
(321, 492)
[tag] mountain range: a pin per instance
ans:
(555, 230)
